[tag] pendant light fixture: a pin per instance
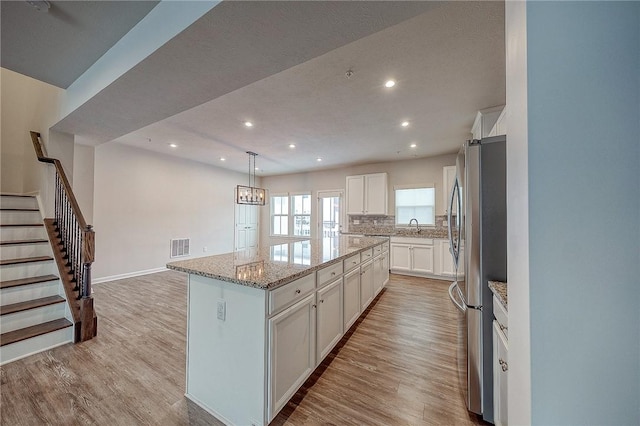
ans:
(251, 194)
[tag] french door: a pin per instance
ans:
(330, 213)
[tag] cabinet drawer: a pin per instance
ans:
(351, 262)
(377, 250)
(289, 293)
(366, 255)
(501, 316)
(329, 273)
(385, 247)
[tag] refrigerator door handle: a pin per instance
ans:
(462, 307)
(452, 246)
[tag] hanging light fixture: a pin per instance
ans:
(251, 194)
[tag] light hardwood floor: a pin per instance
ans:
(395, 367)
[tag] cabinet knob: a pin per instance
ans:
(321, 300)
(314, 306)
(333, 273)
(502, 327)
(297, 291)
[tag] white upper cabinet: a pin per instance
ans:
(485, 121)
(367, 194)
(500, 128)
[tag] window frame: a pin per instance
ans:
(423, 185)
(290, 215)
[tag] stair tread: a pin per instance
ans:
(20, 242)
(20, 225)
(25, 260)
(30, 304)
(18, 209)
(27, 281)
(33, 331)
(18, 195)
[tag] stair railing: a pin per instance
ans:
(78, 238)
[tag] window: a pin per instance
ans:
(291, 215)
(415, 203)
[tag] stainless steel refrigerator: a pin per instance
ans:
(478, 239)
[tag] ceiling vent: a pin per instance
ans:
(180, 247)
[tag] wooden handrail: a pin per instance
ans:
(78, 242)
(42, 157)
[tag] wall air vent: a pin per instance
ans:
(180, 247)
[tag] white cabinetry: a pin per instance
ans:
(445, 265)
(485, 121)
(366, 285)
(500, 128)
(500, 375)
(412, 256)
(367, 194)
(292, 346)
(448, 178)
(330, 322)
(380, 268)
(351, 298)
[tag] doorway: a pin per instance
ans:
(330, 217)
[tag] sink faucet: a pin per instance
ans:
(417, 226)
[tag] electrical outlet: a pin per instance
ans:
(445, 223)
(356, 221)
(222, 309)
(204, 249)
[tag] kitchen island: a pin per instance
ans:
(259, 322)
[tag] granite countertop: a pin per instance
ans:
(277, 262)
(500, 290)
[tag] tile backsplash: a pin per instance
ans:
(383, 224)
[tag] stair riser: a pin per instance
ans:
(24, 270)
(7, 202)
(19, 217)
(31, 317)
(25, 293)
(22, 233)
(25, 250)
(36, 344)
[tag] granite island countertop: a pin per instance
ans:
(277, 262)
(500, 290)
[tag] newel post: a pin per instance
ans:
(87, 328)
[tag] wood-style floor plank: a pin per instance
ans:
(395, 367)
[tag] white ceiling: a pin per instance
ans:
(282, 65)
(59, 44)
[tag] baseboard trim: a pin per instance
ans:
(127, 275)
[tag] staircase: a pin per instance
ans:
(34, 313)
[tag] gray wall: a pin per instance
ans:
(584, 211)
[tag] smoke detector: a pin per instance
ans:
(349, 73)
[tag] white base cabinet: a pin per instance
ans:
(330, 318)
(500, 375)
(292, 354)
(412, 256)
(351, 298)
(366, 285)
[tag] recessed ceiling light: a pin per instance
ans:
(222, 159)
(318, 159)
(173, 145)
(413, 145)
(390, 83)
(404, 124)
(292, 145)
(248, 124)
(256, 168)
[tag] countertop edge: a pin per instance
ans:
(280, 282)
(499, 289)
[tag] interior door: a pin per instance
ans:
(330, 216)
(246, 227)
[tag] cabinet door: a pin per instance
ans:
(351, 298)
(422, 259)
(446, 260)
(378, 275)
(376, 194)
(292, 344)
(500, 376)
(366, 285)
(385, 266)
(355, 195)
(329, 320)
(448, 177)
(401, 257)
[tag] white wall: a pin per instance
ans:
(142, 200)
(422, 170)
(518, 214)
(583, 96)
(27, 104)
(83, 165)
